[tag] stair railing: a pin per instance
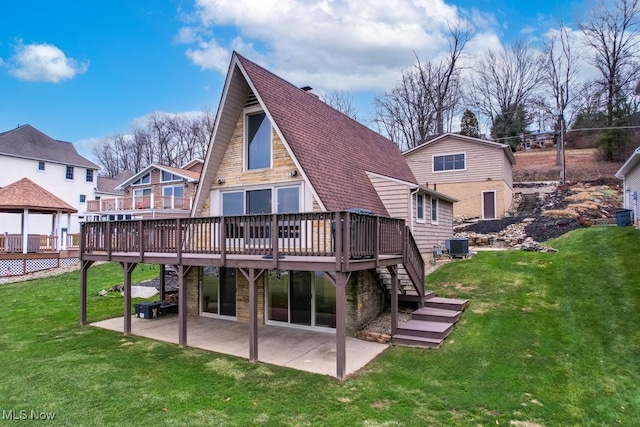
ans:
(413, 263)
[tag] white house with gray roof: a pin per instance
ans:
(55, 166)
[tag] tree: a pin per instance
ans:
(560, 77)
(469, 124)
(613, 36)
(503, 80)
(167, 139)
(342, 101)
(425, 100)
(509, 128)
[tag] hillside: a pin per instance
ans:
(581, 165)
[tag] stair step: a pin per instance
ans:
(436, 315)
(411, 295)
(413, 341)
(447, 303)
(425, 329)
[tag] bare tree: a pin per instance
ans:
(166, 139)
(504, 79)
(342, 101)
(425, 100)
(560, 77)
(613, 36)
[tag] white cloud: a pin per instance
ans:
(327, 44)
(43, 63)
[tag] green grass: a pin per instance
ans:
(548, 339)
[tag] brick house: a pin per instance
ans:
(477, 172)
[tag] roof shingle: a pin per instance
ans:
(27, 141)
(334, 150)
(25, 194)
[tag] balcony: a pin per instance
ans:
(132, 203)
(327, 241)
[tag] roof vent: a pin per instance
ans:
(307, 88)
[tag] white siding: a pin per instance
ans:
(53, 180)
(631, 184)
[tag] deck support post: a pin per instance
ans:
(393, 270)
(127, 269)
(252, 277)
(340, 280)
(163, 281)
(83, 291)
(182, 304)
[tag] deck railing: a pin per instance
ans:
(14, 243)
(139, 203)
(340, 234)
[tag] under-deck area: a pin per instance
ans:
(335, 243)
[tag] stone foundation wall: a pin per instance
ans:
(365, 299)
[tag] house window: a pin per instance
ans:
(41, 166)
(219, 290)
(142, 198)
(83, 198)
(89, 176)
(420, 207)
(449, 162)
(69, 173)
(261, 201)
(434, 210)
(258, 145)
(172, 197)
(143, 180)
(168, 176)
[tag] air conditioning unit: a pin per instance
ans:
(457, 246)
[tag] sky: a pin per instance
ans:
(83, 71)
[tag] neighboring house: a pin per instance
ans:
(629, 173)
(296, 207)
(155, 192)
(476, 172)
(56, 166)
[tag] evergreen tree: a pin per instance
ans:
(469, 124)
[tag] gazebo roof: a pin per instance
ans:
(25, 194)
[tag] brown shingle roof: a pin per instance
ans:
(27, 141)
(107, 184)
(334, 150)
(25, 194)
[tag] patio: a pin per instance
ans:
(302, 349)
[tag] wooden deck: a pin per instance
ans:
(336, 243)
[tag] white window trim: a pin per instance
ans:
(176, 177)
(433, 162)
(245, 142)
(424, 208)
(93, 176)
(44, 168)
(431, 199)
(73, 172)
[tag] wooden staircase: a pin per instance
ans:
(431, 324)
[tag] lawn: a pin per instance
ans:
(548, 339)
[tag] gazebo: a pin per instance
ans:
(25, 197)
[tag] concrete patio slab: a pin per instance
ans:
(306, 350)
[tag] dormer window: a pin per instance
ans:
(258, 141)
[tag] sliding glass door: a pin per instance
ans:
(219, 290)
(301, 298)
